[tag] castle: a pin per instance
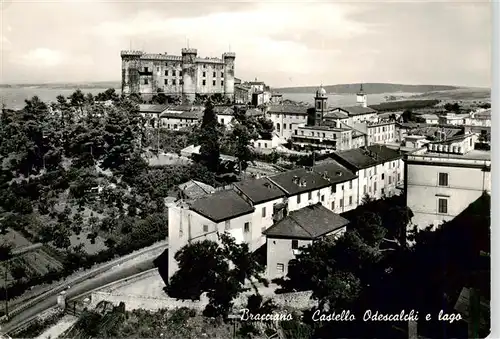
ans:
(185, 75)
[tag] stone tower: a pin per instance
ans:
(361, 97)
(131, 64)
(320, 105)
(229, 74)
(189, 74)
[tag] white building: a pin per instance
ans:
(443, 178)
(286, 118)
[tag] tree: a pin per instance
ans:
(455, 107)
(220, 270)
(407, 115)
(243, 146)
(209, 139)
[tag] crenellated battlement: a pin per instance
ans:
(131, 53)
(229, 55)
(153, 56)
(189, 51)
(209, 60)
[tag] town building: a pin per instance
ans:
(481, 118)
(177, 118)
(453, 119)
(431, 119)
(286, 118)
(322, 137)
(379, 169)
(444, 177)
(192, 190)
(344, 192)
(185, 75)
(299, 229)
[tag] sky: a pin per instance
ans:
(284, 43)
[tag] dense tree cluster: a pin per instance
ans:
(222, 270)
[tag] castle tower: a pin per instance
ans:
(361, 99)
(189, 74)
(320, 105)
(229, 74)
(131, 64)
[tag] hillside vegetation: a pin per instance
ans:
(371, 88)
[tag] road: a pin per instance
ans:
(85, 286)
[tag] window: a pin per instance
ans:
(309, 196)
(175, 126)
(157, 69)
(374, 187)
(222, 122)
(205, 228)
(221, 74)
(350, 200)
(341, 203)
(247, 227)
(146, 69)
(227, 225)
(173, 82)
(442, 206)
(284, 126)
(180, 73)
(364, 189)
(213, 83)
(382, 176)
(390, 179)
(166, 73)
(165, 81)
(399, 177)
(263, 212)
(265, 145)
(382, 191)
(350, 185)
(295, 244)
(215, 75)
(146, 81)
(318, 105)
(334, 189)
(298, 199)
(333, 205)
(280, 268)
(323, 198)
(222, 83)
(204, 74)
(295, 132)
(443, 179)
(342, 187)
(204, 82)
(173, 73)
(375, 170)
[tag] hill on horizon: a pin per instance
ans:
(62, 85)
(370, 88)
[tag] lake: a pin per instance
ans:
(13, 98)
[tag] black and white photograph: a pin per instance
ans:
(247, 169)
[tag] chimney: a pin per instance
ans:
(295, 179)
(303, 182)
(325, 175)
(339, 173)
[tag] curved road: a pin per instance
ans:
(85, 286)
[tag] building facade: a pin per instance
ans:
(443, 178)
(185, 75)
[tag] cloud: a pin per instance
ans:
(46, 57)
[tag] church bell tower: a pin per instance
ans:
(361, 97)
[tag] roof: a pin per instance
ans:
(357, 110)
(360, 158)
(152, 108)
(289, 109)
(254, 112)
(259, 190)
(221, 206)
(310, 222)
(194, 189)
(290, 181)
(334, 172)
(429, 116)
(335, 115)
(431, 131)
(182, 115)
(225, 110)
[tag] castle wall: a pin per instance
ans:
(210, 78)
